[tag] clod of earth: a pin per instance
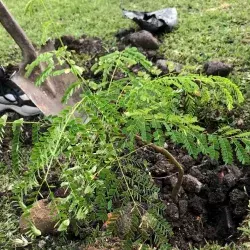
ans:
(162, 65)
(217, 69)
(172, 211)
(43, 215)
(123, 33)
(161, 168)
(183, 207)
(191, 184)
(143, 39)
(168, 67)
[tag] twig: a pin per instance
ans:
(172, 160)
(164, 177)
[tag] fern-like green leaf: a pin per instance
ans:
(17, 128)
(202, 143)
(241, 153)
(3, 120)
(190, 145)
(35, 132)
(243, 135)
(226, 150)
(71, 90)
(247, 144)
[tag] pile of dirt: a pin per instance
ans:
(212, 202)
(83, 45)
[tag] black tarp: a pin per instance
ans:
(163, 20)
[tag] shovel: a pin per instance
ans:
(48, 96)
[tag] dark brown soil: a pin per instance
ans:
(211, 213)
(83, 45)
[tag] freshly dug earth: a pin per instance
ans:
(212, 202)
(83, 45)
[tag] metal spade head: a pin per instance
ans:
(48, 97)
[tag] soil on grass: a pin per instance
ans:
(211, 212)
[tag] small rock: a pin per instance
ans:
(240, 122)
(125, 221)
(168, 67)
(162, 168)
(144, 39)
(62, 192)
(162, 65)
(187, 161)
(178, 68)
(229, 175)
(217, 68)
(240, 210)
(136, 69)
(151, 54)
(172, 211)
(43, 215)
(174, 67)
(166, 197)
(191, 184)
(234, 170)
(158, 183)
(172, 180)
(194, 171)
(197, 238)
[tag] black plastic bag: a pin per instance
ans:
(163, 20)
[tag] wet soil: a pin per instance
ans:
(211, 204)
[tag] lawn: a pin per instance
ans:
(207, 29)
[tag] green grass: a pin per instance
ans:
(8, 217)
(204, 32)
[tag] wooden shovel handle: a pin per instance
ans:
(17, 33)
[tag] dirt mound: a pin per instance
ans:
(212, 202)
(83, 45)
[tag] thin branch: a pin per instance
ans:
(164, 177)
(172, 160)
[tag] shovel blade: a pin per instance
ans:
(39, 96)
(48, 97)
